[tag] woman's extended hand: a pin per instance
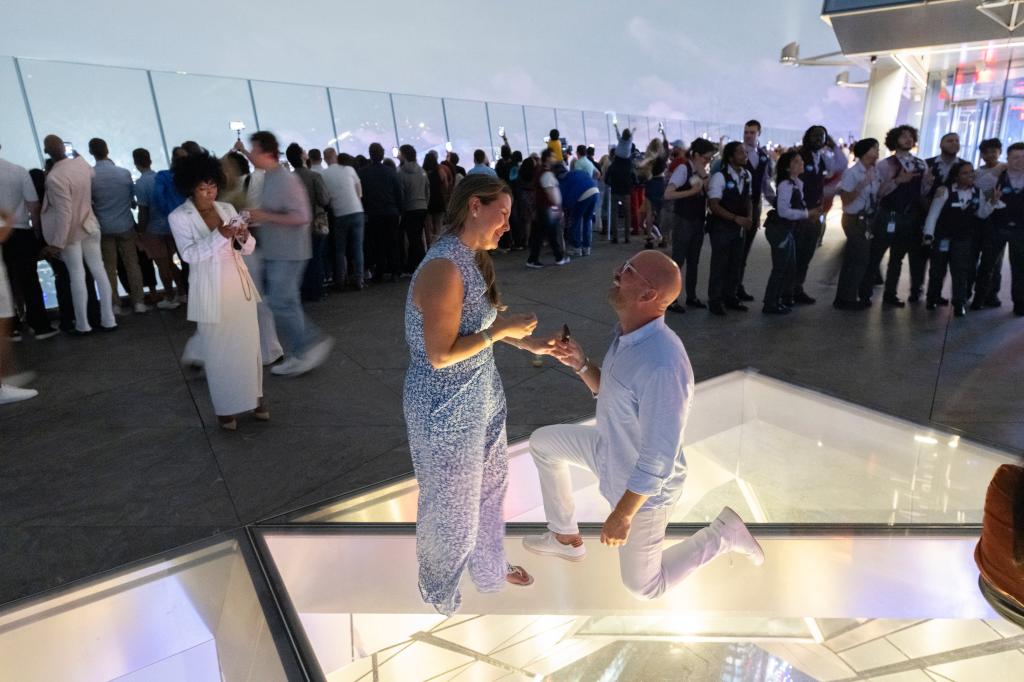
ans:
(514, 326)
(540, 345)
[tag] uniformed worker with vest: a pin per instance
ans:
(1008, 232)
(729, 193)
(759, 165)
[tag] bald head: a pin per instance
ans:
(53, 146)
(663, 274)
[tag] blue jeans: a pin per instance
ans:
(283, 278)
(348, 242)
(583, 222)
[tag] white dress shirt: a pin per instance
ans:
(785, 198)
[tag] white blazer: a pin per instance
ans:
(200, 247)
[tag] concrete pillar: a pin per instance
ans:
(885, 90)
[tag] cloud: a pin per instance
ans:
(656, 40)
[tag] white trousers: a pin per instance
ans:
(78, 256)
(270, 346)
(647, 568)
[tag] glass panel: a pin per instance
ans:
(193, 617)
(969, 121)
(597, 132)
(641, 130)
(201, 108)
(294, 113)
(1013, 121)
(421, 124)
(570, 125)
(362, 117)
(775, 453)
(511, 117)
(539, 122)
(577, 622)
(467, 128)
(80, 102)
(935, 113)
(16, 143)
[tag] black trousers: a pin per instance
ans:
(904, 242)
(384, 235)
(853, 283)
(412, 225)
(748, 238)
(21, 253)
(727, 244)
(956, 259)
(806, 235)
(990, 250)
(780, 279)
(546, 227)
(687, 241)
(1013, 242)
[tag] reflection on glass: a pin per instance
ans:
(294, 113)
(200, 108)
(775, 453)
(79, 102)
(16, 135)
(194, 617)
(362, 117)
(421, 123)
(539, 122)
(467, 129)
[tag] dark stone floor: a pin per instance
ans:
(120, 457)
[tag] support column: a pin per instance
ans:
(885, 90)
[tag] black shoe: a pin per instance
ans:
(674, 307)
(893, 300)
(615, 240)
(775, 310)
(993, 302)
(840, 304)
(914, 297)
(959, 310)
(648, 244)
(695, 303)
(866, 301)
(787, 302)
(1018, 310)
(742, 294)
(943, 302)
(879, 280)
(977, 304)
(931, 305)
(736, 305)
(802, 297)
(716, 308)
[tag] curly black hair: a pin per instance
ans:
(191, 171)
(892, 138)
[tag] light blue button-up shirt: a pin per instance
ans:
(644, 401)
(112, 195)
(482, 168)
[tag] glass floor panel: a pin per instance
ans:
(774, 452)
(821, 608)
(193, 617)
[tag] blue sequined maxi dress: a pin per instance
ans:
(456, 422)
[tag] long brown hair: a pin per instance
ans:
(487, 189)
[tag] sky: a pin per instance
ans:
(692, 59)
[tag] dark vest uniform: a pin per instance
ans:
(1011, 217)
(757, 175)
(906, 198)
(813, 177)
(938, 177)
(735, 199)
(959, 220)
(694, 207)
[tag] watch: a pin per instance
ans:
(585, 368)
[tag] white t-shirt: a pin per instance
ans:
(680, 176)
(549, 181)
(16, 188)
(343, 187)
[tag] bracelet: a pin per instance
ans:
(585, 368)
(487, 337)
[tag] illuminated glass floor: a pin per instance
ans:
(868, 522)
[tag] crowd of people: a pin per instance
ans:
(326, 221)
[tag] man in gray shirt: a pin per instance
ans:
(283, 236)
(113, 198)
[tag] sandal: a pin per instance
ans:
(227, 423)
(262, 414)
(517, 575)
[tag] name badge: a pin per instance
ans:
(944, 246)
(730, 185)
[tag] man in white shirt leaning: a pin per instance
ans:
(644, 392)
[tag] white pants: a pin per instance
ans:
(647, 569)
(78, 256)
(270, 346)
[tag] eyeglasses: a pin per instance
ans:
(632, 268)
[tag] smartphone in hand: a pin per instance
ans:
(565, 333)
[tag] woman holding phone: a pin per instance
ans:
(454, 401)
(212, 238)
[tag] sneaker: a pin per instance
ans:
(272, 360)
(168, 304)
(287, 367)
(586, 251)
(313, 358)
(20, 379)
(118, 311)
(15, 336)
(737, 537)
(140, 308)
(534, 265)
(42, 336)
(548, 545)
(564, 261)
(13, 394)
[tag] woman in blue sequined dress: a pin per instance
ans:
(454, 401)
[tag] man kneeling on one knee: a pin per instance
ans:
(644, 392)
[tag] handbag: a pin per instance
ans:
(777, 230)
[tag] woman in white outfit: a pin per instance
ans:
(212, 238)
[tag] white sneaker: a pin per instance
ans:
(272, 360)
(13, 394)
(20, 379)
(548, 545)
(564, 261)
(737, 537)
(315, 356)
(168, 304)
(141, 308)
(535, 266)
(287, 368)
(586, 251)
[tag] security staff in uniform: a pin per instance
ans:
(759, 165)
(820, 163)
(985, 177)
(687, 188)
(729, 193)
(858, 190)
(940, 169)
(951, 228)
(899, 221)
(1008, 232)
